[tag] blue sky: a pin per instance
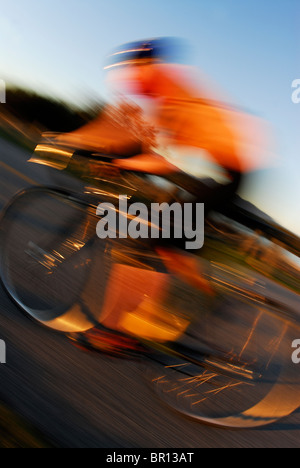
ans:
(250, 48)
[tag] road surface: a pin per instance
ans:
(77, 399)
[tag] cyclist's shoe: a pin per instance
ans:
(107, 341)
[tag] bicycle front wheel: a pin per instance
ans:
(46, 256)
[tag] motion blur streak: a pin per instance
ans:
(223, 357)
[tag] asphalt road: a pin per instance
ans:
(79, 399)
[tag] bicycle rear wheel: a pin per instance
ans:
(235, 368)
(46, 256)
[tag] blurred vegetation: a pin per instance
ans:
(277, 269)
(26, 115)
(49, 113)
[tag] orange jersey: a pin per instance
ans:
(190, 118)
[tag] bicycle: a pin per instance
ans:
(226, 363)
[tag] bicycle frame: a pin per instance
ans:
(100, 177)
(222, 368)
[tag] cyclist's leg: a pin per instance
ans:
(173, 252)
(186, 267)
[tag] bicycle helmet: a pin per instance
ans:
(159, 49)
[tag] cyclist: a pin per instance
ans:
(185, 117)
